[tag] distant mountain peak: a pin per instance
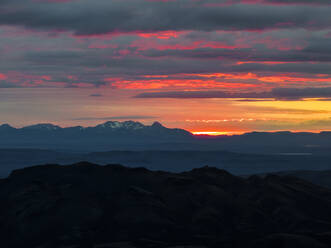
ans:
(117, 124)
(133, 124)
(6, 126)
(43, 126)
(108, 135)
(157, 124)
(129, 125)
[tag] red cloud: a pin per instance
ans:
(3, 76)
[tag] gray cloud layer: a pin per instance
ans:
(276, 93)
(104, 16)
(291, 31)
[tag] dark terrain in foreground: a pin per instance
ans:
(86, 205)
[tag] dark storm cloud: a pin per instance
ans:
(276, 93)
(104, 16)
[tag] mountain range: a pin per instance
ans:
(101, 137)
(112, 128)
(135, 136)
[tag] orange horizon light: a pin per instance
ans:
(214, 133)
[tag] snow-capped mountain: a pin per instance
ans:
(109, 125)
(42, 126)
(126, 125)
(107, 135)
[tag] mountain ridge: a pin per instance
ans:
(107, 124)
(138, 125)
(131, 135)
(171, 160)
(86, 205)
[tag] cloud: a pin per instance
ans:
(327, 2)
(96, 95)
(297, 93)
(269, 124)
(108, 16)
(273, 110)
(267, 38)
(276, 93)
(202, 94)
(2, 77)
(5, 84)
(308, 54)
(285, 2)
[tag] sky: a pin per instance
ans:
(216, 66)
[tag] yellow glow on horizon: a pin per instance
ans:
(214, 133)
(308, 109)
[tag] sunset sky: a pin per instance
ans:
(223, 66)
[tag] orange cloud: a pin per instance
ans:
(162, 34)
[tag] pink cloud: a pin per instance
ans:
(163, 34)
(3, 76)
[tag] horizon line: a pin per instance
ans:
(211, 133)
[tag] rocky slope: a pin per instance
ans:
(322, 178)
(86, 205)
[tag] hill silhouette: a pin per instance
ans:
(173, 161)
(86, 205)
